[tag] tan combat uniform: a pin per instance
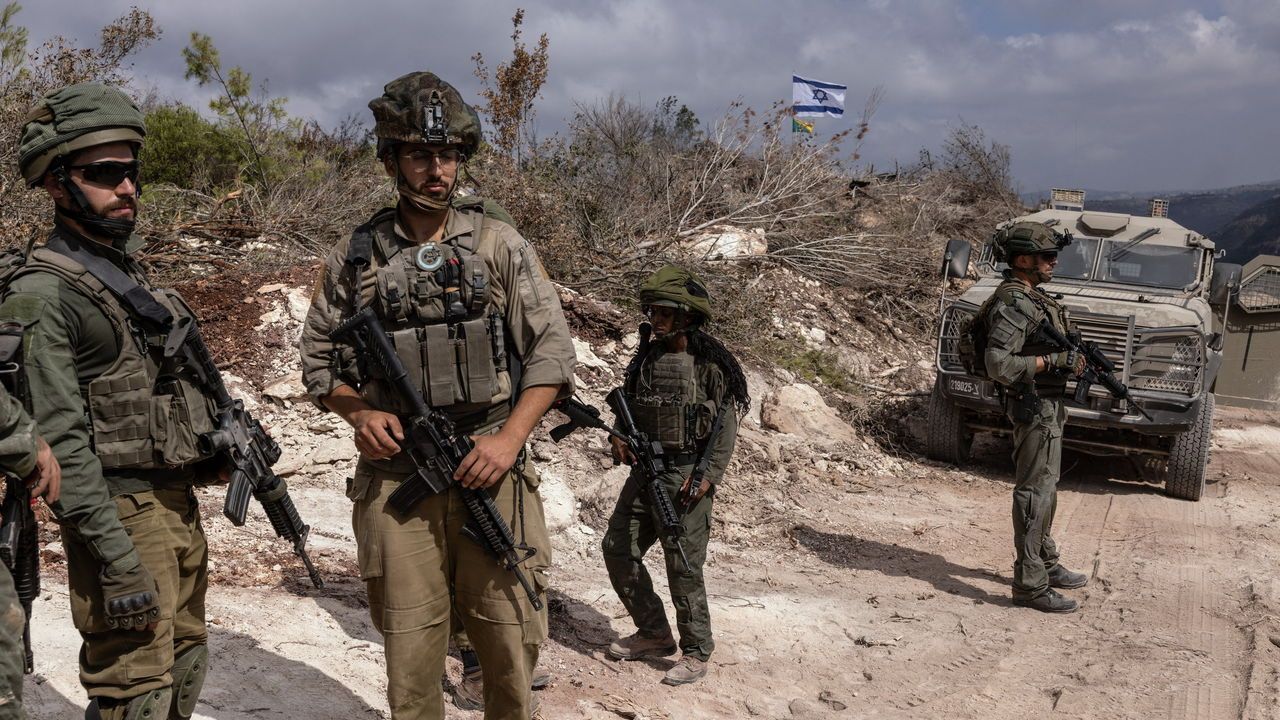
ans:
(412, 565)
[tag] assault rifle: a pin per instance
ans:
(1097, 368)
(247, 448)
(20, 552)
(436, 448)
(648, 455)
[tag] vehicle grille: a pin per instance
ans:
(1167, 362)
(953, 319)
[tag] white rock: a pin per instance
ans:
(558, 503)
(273, 287)
(286, 387)
(631, 341)
(299, 303)
(726, 243)
(587, 357)
(799, 410)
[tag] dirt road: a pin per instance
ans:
(874, 597)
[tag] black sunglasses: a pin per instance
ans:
(109, 173)
(1047, 256)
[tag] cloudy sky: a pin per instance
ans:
(1112, 94)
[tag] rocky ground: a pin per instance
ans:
(848, 576)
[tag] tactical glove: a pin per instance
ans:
(1067, 362)
(131, 598)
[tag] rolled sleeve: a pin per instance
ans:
(320, 366)
(535, 319)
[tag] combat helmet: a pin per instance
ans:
(71, 119)
(420, 107)
(675, 287)
(1027, 238)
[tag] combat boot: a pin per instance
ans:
(1060, 577)
(688, 669)
(637, 646)
(1051, 602)
(468, 694)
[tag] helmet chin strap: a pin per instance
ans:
(93, 223)
(422, 201)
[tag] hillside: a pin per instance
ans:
(1255, 231)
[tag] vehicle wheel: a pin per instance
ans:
(948, 439)
(1189, 456)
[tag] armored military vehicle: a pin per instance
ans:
(1150, 294)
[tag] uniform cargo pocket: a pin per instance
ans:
(358, 486)
(137, 512)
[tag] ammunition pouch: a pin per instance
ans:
(1021, 403)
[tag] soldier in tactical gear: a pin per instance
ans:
(478, 325)
(122, 416)
(1032, 374)
(686, 390)
(26, 455)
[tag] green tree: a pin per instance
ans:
(256, 116)
(186, 150)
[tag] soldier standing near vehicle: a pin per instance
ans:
(685, 390)
(1032, 373)
(26, 455)
(122, 417)
(473, 316)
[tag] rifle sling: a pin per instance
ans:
(137, 300)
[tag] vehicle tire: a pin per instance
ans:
(948, 439)
(1189, 456)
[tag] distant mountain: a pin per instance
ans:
(1205, 211)
(1255, 231)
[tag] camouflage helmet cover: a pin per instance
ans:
(1027, 238)
(676, 287)
(422, 108)
(71, 119)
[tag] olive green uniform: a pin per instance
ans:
(127, 476)
(18, 458)
(674, 398)
(417, 567)
(1033, 403)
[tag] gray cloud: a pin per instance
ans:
(1144, 94)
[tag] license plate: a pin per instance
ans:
(964, 386)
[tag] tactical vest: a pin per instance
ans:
(435, 301)
(667, 403)
(1038, 343)
(146, 411)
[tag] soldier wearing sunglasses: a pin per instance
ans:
(123, 417)
(1032, 372)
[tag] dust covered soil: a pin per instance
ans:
(845, 581)
(887, 600)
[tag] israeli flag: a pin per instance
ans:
(814, 98)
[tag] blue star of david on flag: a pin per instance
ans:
(815, 98)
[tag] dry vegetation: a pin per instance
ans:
(624, 190)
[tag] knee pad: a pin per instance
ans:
(152, 705)
(189, 670)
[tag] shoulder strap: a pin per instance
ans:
(140, 302)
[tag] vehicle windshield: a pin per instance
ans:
(1155, 265)
(1076, 260)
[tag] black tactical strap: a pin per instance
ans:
(137, 299)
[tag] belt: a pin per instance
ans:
(681, 458)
